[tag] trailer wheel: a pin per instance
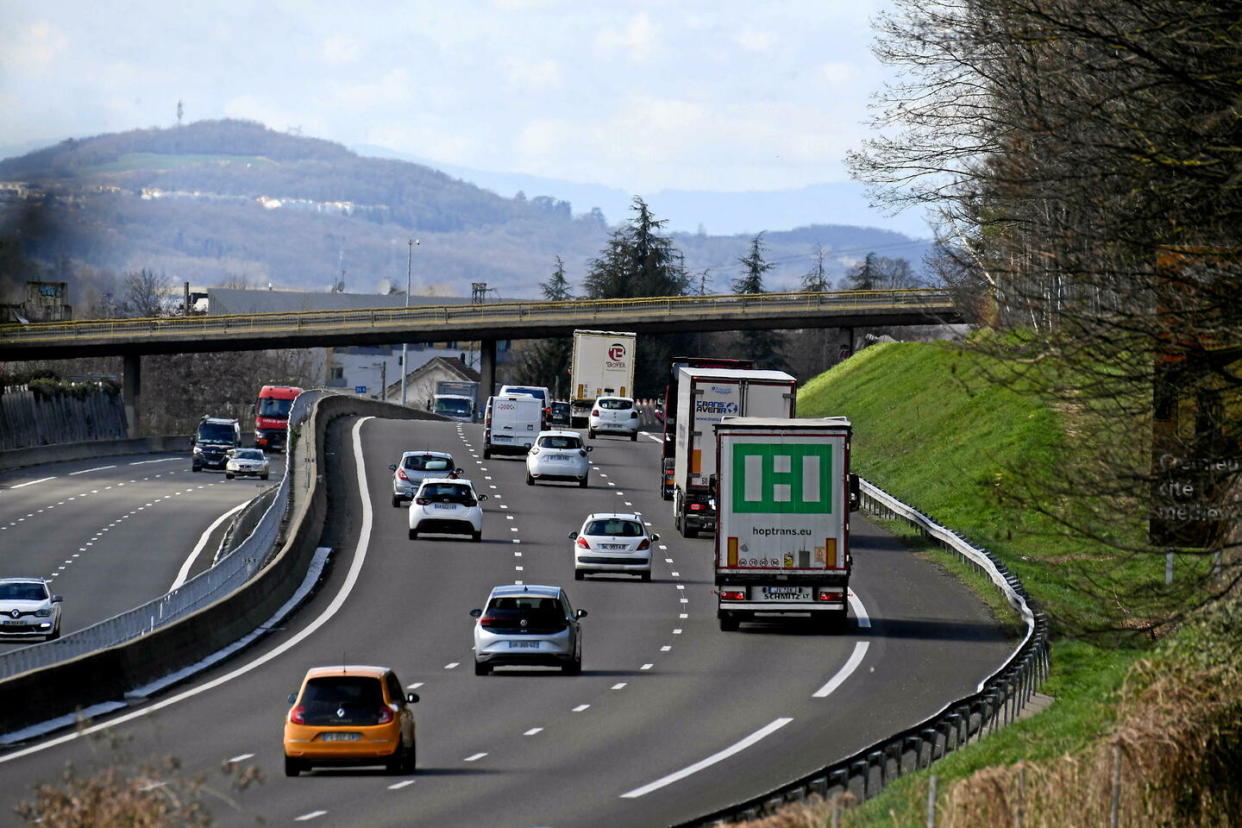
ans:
(728, 623)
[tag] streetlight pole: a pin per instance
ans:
(409, 271)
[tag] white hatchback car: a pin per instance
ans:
(613, 415)
(245, 462)
(29, 609)
(447, 507)
(613, 542)
(558, 455)
(528, 625)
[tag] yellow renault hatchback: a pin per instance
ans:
(350, 715)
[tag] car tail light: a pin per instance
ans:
(595, 412)
(634, 415)
(385, 714)
(488, 621)
(421, 501)
(830, 596)
(646, 544)
(696, 507)
(298, 715)
(401, 474)
(732, 595)
(582, 543)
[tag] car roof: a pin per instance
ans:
(613, 397)
(623, 515)
(427, 480)
(554, 432)
(24, 581)
(525, 589)
(347, 670)
(225, 420)
(443, 454)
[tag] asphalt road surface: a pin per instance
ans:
(670, 718)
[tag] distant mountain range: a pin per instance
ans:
(232, 202)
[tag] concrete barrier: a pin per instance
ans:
(11, 459)
(37, 696)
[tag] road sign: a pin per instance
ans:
(360, 389)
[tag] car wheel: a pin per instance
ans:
(396, 763)
(263, 476)
(633, 436)
(481, 669)
(573, 668)
(686, 531)
(293, 766)
(396, 502)
(530, 481)
(579, 574)
(413, 534)
(582, 484)
(476, 536)
(229, 475)
(591, 434)
(487, 454)
(196, 468)
(646, 577)
(411, 758)
(728, 623)
(54, 634)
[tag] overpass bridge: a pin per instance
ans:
(487, 323)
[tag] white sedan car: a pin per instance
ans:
(447, 506)
(247, 462)
(558, 455)
(613, 415)
(29, 609)
(613, 542)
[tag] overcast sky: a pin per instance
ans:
(715, 95)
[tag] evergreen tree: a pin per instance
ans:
(763, 346)
(546, 361)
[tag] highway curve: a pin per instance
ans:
(112, 533)
(670, 718)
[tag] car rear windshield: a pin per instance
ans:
(542, 615)
(23, 592)
(559, 442)
(342, 700)
(423, 462)
(446, 493)
(615, 528)
(616, 405)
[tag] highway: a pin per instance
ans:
(115, 532)
(669, 719)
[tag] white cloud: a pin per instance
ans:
(755, 41)
(838, 74)
(34, 46)
(636, 40)
(339, 49)
(534, 74)
(392, 87)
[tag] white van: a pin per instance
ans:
(511, 424)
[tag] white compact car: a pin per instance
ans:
(247, 462)
(527, 625)
(613, 415)
(447, 507)
(558, 455)
(613, 542)
(28, 609)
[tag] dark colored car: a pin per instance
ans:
(559, 415)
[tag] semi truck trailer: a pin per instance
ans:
(602, 365)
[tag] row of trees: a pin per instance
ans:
(640, 260)
(1086, 160)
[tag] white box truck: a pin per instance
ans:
(511, 423)
(783, 495)
(706, 396)
(602, 365)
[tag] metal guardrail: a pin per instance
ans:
(433, 316)
(996, 701)
(227, 574)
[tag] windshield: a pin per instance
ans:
(615, 528)
(248, 454)
(23, 592)
(615, 404)
(460, 408)
(269, 407)
(556, 441)
(216, 433)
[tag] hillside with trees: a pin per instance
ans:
(235, 203)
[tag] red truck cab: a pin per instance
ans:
(271, 416)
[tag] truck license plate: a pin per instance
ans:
(786, 593)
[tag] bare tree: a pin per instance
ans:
(145, 294)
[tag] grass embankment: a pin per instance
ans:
(929, 429)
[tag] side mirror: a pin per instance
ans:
(393, 467)
(475, 613)
(412, 698)
(654, 537)
(193, 442)
(855, 492)
(293, 697)
(459, 472)
(481, 497)
(590, 448)
(56, 599)
(580, 614)
(573, 535)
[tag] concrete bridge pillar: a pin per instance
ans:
(131, 389)
(487, 369)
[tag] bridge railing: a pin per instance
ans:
(437, 315)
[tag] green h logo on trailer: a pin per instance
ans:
(782, 479)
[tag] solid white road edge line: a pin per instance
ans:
(32, 482)
(184, 572)
(851, 664)
(766, 730)
(97, 468)
(351, 578)
(860, 612)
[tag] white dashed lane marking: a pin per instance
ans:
(396, 786)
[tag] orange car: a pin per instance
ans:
(350, 715)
